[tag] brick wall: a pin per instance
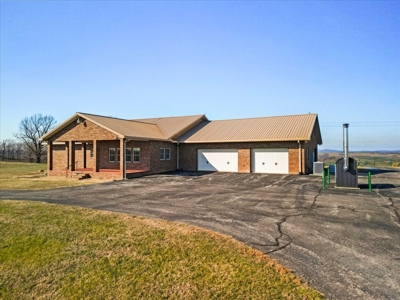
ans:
(89, 158)
(60, 157)
(188, 154)
(244, 158)
(86, 131)
(156, 164)
(104, 155)
(312, 148)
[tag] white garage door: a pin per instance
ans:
(223, 160)
(275, 161)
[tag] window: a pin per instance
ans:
(167, 153)
(112, 154)
(91, 153)
(162, 153)
(136, 155)
(118, 155)
(128, 154)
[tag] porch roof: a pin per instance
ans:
(161, 129)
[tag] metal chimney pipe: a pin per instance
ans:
(346, 146)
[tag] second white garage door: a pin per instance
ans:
(275, 161)
(222, 160)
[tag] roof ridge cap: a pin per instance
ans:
(267, 117)
(200, 115)
(108, 117)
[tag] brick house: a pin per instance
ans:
(118, 148)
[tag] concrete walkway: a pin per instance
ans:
(345, 243)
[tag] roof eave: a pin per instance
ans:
(243, 141)
(145, 139)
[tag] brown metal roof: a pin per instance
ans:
(198, 129)
(283, 128)
(127, 128)
(147, 129)
(172, 126)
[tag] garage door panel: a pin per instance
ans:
(223, 160)
(275, 161)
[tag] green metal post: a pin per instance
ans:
(329, 175)
(369, 182)
(323, 179)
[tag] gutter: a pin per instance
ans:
(240, 141)
(177, 156)
(300, 160)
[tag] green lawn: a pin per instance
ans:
(58, 252)
(28, 176)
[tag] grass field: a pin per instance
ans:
(364, 159)
(27, 176)
(57, 252)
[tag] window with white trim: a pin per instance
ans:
(136, 155)
(118, 155)
(167, 153)
(162, 153)
(128, 154)
(111, 154)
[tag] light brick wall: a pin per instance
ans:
(244, 159)
(89, 159)
(86, 131)
(60, 157)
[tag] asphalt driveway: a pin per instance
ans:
(345, 243)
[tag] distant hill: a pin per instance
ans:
(352, 151)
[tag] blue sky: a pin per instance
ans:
(128, 59)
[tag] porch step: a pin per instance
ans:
(84, 176)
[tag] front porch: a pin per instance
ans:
(107, 159)
(101, 174)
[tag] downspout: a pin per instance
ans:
(177, 156)
(300, 166)
(124, 152)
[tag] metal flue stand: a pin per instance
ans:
(346, 167)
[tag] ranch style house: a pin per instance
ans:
(118, 148)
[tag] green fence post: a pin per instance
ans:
(323, 179)
(369, 182)
(329, 175)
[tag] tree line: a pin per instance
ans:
(28, 146)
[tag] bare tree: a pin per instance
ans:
(31, 129)
(19, 149)
(10, 149)
(3, 148)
